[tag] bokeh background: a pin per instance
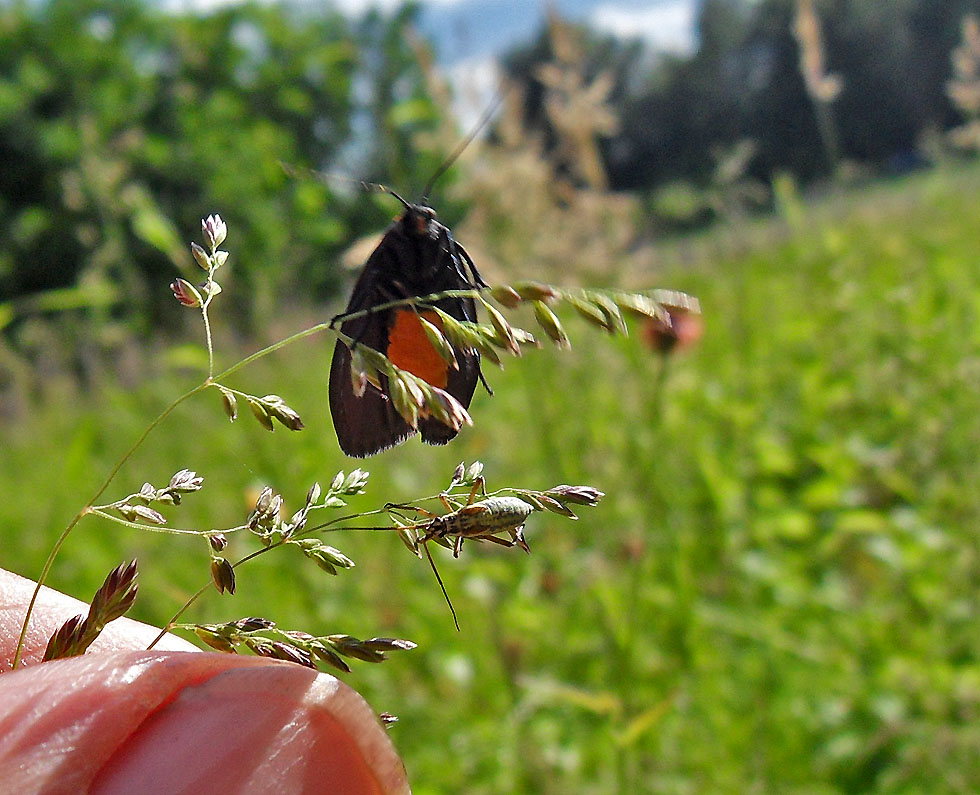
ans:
(779, 592)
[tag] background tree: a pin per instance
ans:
(744, 82)
(118, 123)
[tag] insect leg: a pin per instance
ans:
(504, 542)
(517, 539)
(422, 529)
(441, 585)
(480, 484)
(377, 296)
(477, 278)
(401, 507)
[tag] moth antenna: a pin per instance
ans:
(384, 189)
(461, 146)
(439, 580)
(304, 172)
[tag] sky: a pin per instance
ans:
(470, 28)
(487, 24)
(469, 35)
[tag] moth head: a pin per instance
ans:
(418, 218)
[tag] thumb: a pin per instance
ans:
(117, 720)
(179, 722)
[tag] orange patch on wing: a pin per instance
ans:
(410, 349)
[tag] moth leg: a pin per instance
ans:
(478, 282)
(477, 278)
(483, 380)
(350, 310)
(378, 296)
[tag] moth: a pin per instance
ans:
(417, 256)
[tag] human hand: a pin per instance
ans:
(174, 720)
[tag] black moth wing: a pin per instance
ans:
(367, 424)
(417, 256)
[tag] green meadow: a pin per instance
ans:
(777, 594)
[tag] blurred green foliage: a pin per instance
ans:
(121, 125)
(778, 593)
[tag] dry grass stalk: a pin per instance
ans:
(964, 89)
